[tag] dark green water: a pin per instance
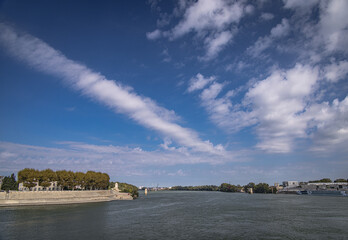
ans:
(184, 215)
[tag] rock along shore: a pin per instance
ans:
(18, 198)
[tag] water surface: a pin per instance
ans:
(183, 215)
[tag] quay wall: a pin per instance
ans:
(15, 198)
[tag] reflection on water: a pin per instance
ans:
(183, 215)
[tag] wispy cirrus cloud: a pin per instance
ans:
(118, 160)
(120, 99)
(280, 30)
(214, 22)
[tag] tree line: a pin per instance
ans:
(328, 180)
(226, 187)
(66, 180)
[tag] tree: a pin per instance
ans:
(262, 188)
(90, 180)
(46, 177)
(63, 179)
(9, 183)
(249, 185)
(323, 180)
(80, 179)
(28, 177)
(128, 188)
(226, 187)
(341, 180)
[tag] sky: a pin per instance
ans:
(164, 93)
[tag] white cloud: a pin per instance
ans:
(154, 35)
(214, 22)
(336, 71)
(180, 173)
(212, 92)
(198, 82)
(299, 4)
(322, 37)
(282, 108)
(330, 121)
(259, 46)
(119, 98)
(334, 25)
(216, 43)
(116, 160)
(280, 30)
(267, 16)
(208, 15)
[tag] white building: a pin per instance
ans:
(290, 184)
(53, 187)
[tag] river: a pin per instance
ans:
(183, 215)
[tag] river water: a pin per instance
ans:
(183, 215)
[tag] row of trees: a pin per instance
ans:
(226, 187)
(328, 180)
(67, 180)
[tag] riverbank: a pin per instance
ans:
(18, 198)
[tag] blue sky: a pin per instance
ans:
(176, 92)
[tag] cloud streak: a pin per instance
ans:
(120, 99)
(214, 22)
(120, 160)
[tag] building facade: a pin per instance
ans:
(53, 187)
(290, 184)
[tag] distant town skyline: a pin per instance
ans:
(176, 92)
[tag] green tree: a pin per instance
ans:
(46, 177)
(249, 185)
(63, 179)
(9, 183)
(262, 188)
(80, 179)
(28, 177)
(90, 180)
(341, 180)
(323, 180)
(128, 188)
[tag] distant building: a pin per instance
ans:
(53, 187)
(325, 186)
(278, 187)
(290, 184)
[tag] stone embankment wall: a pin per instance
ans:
(14, 198)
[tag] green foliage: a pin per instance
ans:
(249, 185)
(80, 179)
(28, 177)
(262, 188)
(324, 180)
(226, 187)
(9, 183)
(67, 180)
(128, 188)
(341, 180)
(46, 177)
